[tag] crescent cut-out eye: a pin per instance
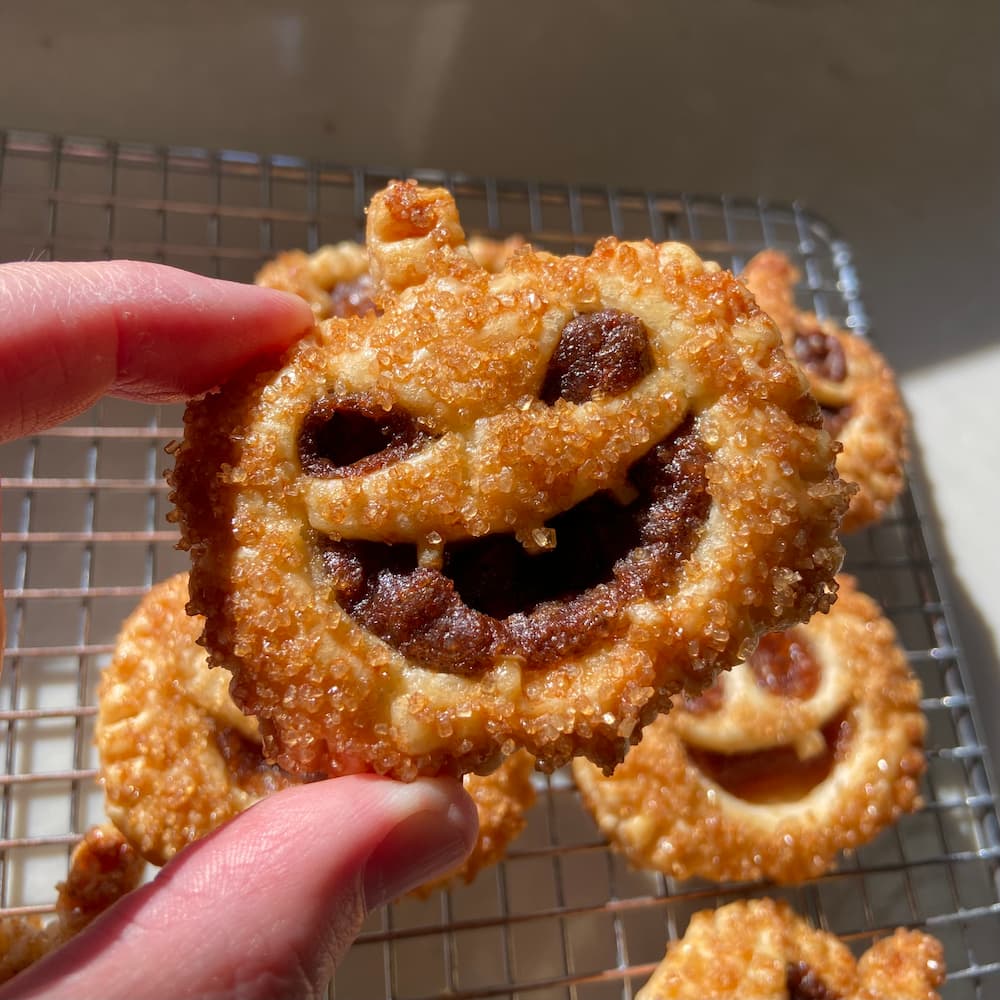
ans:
(350, 436)
(804, 983)
(599, 354)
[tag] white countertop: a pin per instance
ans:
(880, 117)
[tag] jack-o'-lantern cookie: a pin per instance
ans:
(103, 868)
(335, 280)
(178, 758)
(810, 747)
(759, 949)
(513, 510)
(851, 381)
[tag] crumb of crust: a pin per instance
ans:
(323, 536)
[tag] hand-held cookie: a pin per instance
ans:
(811, 747)
(853, 384)
(519, 509)
(760, 949)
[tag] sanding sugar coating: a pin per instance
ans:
(811, 747)
(417, 552)
(178, 758)
(760, 949)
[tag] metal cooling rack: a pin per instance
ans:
(86, 535)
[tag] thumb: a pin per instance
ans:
(265, 906)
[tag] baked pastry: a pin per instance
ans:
(513, 510)
(503, 798)
(335, 280)
(760, 949)
(103, 867)
(854, 385)
(178, 758)
(811, 747)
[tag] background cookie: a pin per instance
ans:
(502, 799)
(760, 950)
(853, 384)
(178, 758)
(513, 510)
(335, 280)
(809, 748)
(102, 868)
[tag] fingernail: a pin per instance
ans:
(422, 847)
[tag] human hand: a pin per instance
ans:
(266, 905)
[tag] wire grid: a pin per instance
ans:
(86, 536)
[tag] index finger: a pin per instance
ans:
(71, 332)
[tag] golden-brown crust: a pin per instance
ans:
(103, 867)
(872, 428)
(23, 941)
(758, 949)
(464, 354)
(700, 828)
(173, 747)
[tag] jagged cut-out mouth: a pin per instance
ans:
(776, 775)
(491, 598)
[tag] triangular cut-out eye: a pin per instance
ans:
(820, 353)
(804, 983)
(784, 664)
(599, 354)
(350, 436)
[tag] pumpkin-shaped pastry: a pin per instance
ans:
(759, 949)
(178, 758)
(810, 747)
(511, 510)
(853, 384)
